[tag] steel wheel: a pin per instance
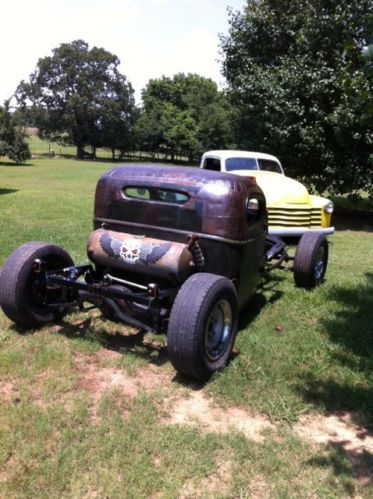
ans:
(218, 330)
(203, 325)
(311, 260)
(320, 264)
(22, 296)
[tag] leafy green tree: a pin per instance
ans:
(80, 97)
(180, 131)
(185, 114)
(296, 77)
(366, 96)
(12, 136)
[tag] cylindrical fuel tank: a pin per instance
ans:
(155, 257)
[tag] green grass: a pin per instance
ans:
(40, 147)
(321, 361)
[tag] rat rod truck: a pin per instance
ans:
(175, 250)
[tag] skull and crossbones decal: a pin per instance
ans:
(133, 250)
(130, 251)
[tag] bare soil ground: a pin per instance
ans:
(97, 376)
(339, 431)
(199, 410)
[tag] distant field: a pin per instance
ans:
(91, 409)
(39, 147)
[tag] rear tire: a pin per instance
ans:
(20, 290)
(203, 325)
(311, 260)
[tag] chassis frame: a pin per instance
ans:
(99, 289)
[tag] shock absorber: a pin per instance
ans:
(195, 249)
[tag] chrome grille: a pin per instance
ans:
(294, 217)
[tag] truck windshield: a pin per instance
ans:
(232, 164)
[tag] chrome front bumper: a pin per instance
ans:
(299, 231)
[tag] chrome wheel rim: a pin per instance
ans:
(218, 330)
(320, 263)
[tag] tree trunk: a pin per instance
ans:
(113, 153)
(79, 151)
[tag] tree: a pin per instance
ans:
(295, 76)
(185, 114)
(80, 97)
(12, 136)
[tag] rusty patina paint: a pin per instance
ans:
(154, 257)
(216, 203)
(215, 211)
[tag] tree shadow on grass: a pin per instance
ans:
(135, 342)
(15, 165)
(350, 385)
(266, 294)
(347, 388)
(346, 462)
(7, 191)
(355, 220)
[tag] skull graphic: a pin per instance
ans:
(130, 251)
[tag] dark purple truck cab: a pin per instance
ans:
(209, 205)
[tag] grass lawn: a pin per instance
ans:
(93, 409)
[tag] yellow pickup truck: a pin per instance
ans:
(292, 211)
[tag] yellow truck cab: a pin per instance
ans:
(292, 211)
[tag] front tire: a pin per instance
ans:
(21, 292)
(203, 325)
(311, 260)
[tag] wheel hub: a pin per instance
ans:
(319, 265)
(218, 330)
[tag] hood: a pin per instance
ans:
(278, 188)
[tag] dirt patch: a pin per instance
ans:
(199, 410)
(98, 379)
(338, 431)
(258, 488)
(7, 391)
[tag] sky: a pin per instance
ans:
(151, 37)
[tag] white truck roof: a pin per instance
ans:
(228, 153)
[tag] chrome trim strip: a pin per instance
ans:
(175, 231)
(299, 232)
(126, 283)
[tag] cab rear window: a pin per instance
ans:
(232, 164)
(154, 194)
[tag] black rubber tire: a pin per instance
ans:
(189, 321)
(311, 260)
(17, 281)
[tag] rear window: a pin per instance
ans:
(212, 164)
(232, 164)
(269, 165)
(154, 194)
